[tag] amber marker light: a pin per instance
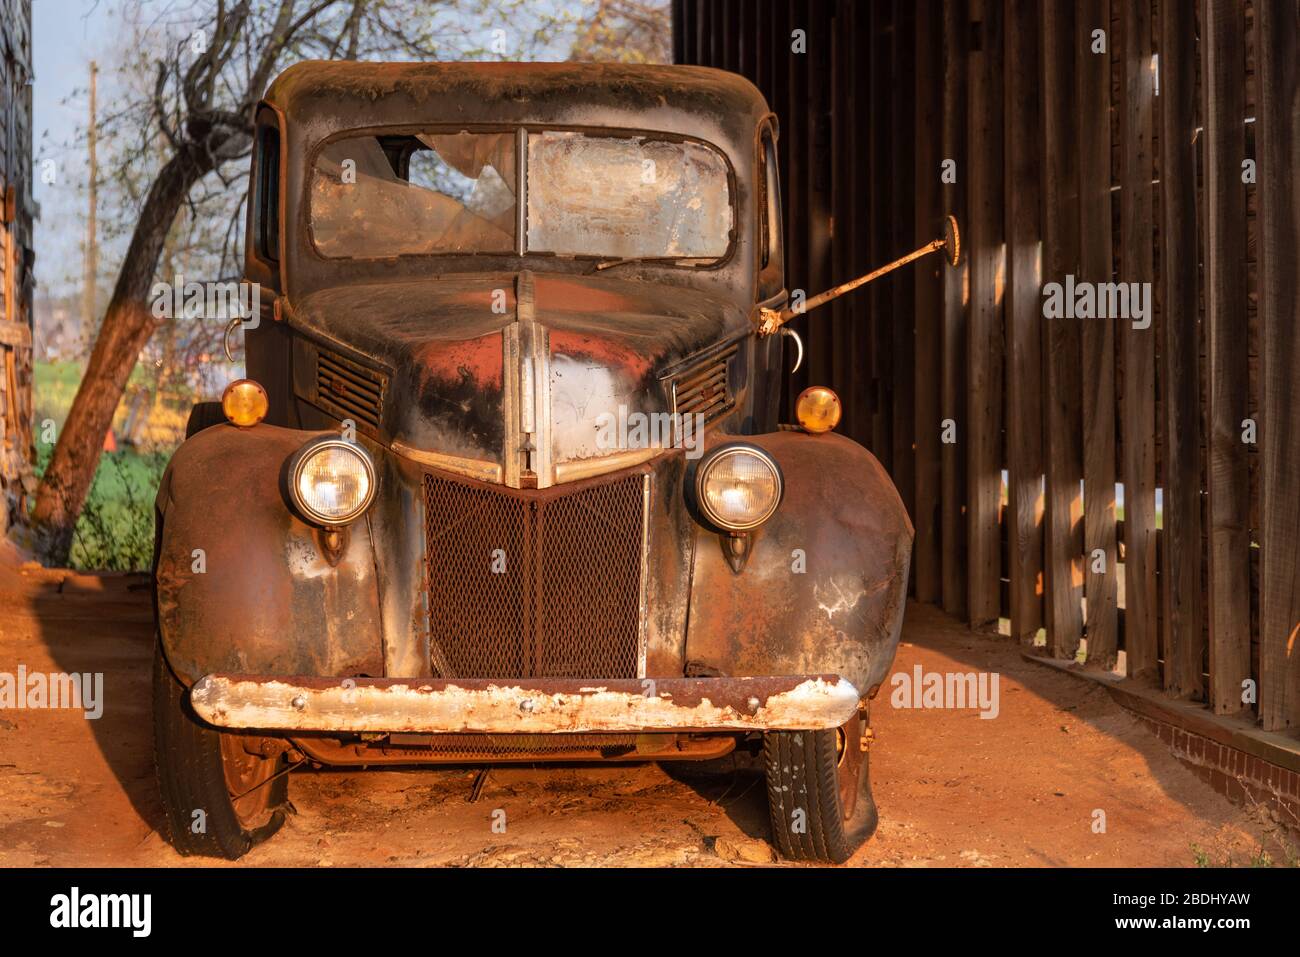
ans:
(817, 409)
(244, 402)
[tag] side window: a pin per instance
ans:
(267, 197)
(771, 272)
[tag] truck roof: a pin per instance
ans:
(329, 96)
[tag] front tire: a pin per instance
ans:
(819, 792)
(220, 798)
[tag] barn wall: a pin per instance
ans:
(1112, 141)
(16, 256)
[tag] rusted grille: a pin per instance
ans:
(348, 390)
(533, 584)
(705, 388)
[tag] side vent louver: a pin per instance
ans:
(705, 388)
(347, 390)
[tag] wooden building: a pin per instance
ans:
(1125, 486)
(16, 255)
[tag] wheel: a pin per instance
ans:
(202, 416)
(221, 796)
(819, 792)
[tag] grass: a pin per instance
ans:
(55, 385)
(115, 529)
(1277, 826)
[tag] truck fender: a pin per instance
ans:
(825, 583)
(241, 584)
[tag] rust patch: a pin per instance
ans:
(477, 360)
(562, 294)
(601, 351)
(801, 702)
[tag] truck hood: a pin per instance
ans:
(523, 378)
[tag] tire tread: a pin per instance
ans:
(802, 772)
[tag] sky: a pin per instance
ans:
(66, 35)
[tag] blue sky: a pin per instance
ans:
(66, 36)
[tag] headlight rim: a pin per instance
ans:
(710, 459)
(298, 461)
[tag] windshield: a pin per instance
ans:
(607, 197)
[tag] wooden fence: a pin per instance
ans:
(1125, 486)
(16, 259)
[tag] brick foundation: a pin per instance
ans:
(1243, 778)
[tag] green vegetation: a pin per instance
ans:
(55, 385)
(115, 529)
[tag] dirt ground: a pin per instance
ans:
(953, 789)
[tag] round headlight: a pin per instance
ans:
(332, 481)
(738, 487)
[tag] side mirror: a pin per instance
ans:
(771, 320)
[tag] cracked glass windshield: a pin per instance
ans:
(378, 196)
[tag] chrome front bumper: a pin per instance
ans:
(525, 706)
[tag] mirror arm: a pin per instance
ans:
(770, 320)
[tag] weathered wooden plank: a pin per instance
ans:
(797, 128)
(682, 12)
(1228, 482)
(904, 305)
(1063, 545)
(726, 27)
(1101, 571)
(1278, 144)
(1138, 414)
(816, 142)
(848, 214)
(855, 307)
(926, 555)
(1181, 581)
(744, 14)
(713, 33)
(763, 46)
(880, 294)
(14, 335)
(955, 312)
(983, 439)
(1024, 318)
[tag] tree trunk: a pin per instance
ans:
(128, 324)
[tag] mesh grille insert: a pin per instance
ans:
(523, 585)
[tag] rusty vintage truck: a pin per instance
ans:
(505, 481)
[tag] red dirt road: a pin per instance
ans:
(953, 789)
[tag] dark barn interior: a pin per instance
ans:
(1126, 488)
